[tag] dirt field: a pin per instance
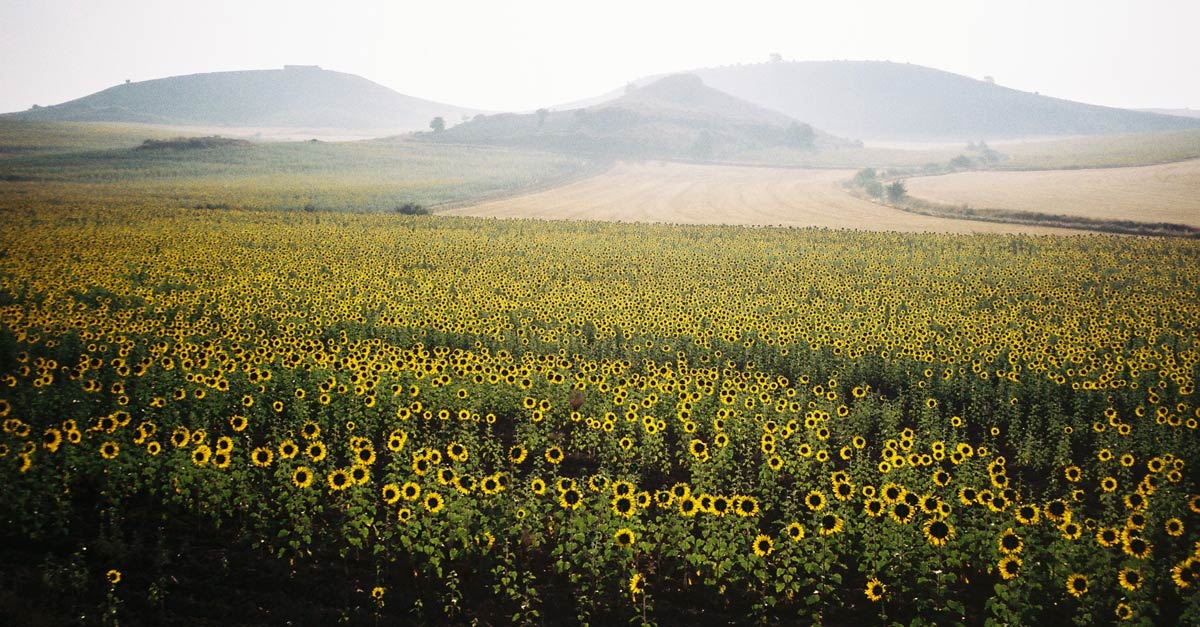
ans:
(692, 194)
(1158, 193)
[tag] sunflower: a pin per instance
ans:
(622, 488)
(1130, 579)
(570, 498)
(875, 589)
(390, 493)
(1010, 543)
(901, 513)
(1135, 501)
(1010, 567)
(310, 431)
(795, 531)
(763, 545)
(1194, 503)
(200, 455)
(360, 474)
(1056, 510)
(397, 440)
(1071, 531)
(1027, 514)
(316, 451)
(1174, 527)
(554, 455)
(1135, 547)
(238, 423)
(688, 506)
(623, 506)
(302, 477)
(1123, 611)
(892, 492)
(873, 507)
(1186, 573)
(624, 538)
(745, 506)
(1077, 585)
(109, 450)
(831, 524)
(636, 585)
(938, 532)
(377, 593)
(153, 448)
(365, 456)
(698, 449)
(491, 484)
(1108, 537)
(517, 454)
(113, 576)
(1108, 484)
(339, 479)
(537, 486)
(815, 500)
(262, 457)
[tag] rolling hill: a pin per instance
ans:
(295, 96)
(876, 100)
(673, 117)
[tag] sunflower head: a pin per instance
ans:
(763, 545)
(1077, 585)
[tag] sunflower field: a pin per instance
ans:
(435, 420)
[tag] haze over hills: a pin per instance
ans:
(876, 100)
(676, 116)
(295, 96)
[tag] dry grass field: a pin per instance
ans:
(1159, 193)
(693, 194)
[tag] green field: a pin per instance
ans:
(375, 175)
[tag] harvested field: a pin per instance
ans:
(1159, 193)
(695, 194)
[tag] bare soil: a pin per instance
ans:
(698, 194)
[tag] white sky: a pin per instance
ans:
(524, 54)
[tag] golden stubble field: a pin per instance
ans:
(1158, 193)
(695, 194)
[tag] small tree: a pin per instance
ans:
(897, 192)
(541, 116)
(864, 176)
(960, 162)
(874, 188)
(437, 124)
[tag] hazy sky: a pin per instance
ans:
(515, 54)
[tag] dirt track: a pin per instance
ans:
(693, 194)
(1157, 193)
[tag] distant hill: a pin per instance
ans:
(1183, 113)
(895, 101)
(673, 117)
(296, 96)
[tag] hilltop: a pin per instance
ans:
(296, 96)
(897, 101)
(673, 117)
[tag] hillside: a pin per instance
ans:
(894, 101)
(296, 96)
(674, 117)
